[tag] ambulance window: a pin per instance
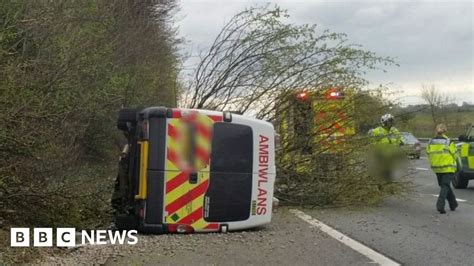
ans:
(232, 148)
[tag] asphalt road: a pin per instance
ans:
(288, 240)
(410, 230)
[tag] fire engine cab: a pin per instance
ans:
(186, 170)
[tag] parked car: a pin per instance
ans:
(412, 145)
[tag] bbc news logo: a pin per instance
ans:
(66, 237)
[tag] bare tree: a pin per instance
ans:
(256, 63)
(257, 57)
(435, 100)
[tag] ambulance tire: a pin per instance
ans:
(459, 180)
(126, 115)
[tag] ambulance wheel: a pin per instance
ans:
(459, 180)
(126, 115)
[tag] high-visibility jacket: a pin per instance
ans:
(383, 136)
(442, 154)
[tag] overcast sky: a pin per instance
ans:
(432, 40)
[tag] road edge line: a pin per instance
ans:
(422, 168)
(354, 244)
(457, 199)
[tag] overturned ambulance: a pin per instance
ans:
(186, 170)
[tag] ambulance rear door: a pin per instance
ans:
(229, 197)
(242, 173)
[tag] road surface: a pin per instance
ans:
(410, 230)
(401, 231)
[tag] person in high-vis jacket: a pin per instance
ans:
(387, 133)
(386, 141)
(442, 156)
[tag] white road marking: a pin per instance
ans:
(424, 158)
(355, 245)
(460, 200)
(421, 168)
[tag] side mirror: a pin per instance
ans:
(462, 138)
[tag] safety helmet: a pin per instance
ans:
(387, 119)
